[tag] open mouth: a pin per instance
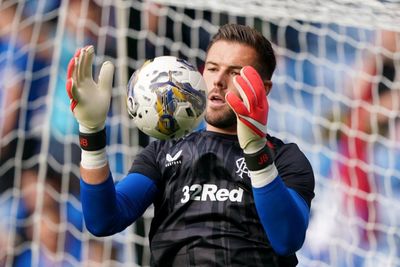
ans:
(217, 99)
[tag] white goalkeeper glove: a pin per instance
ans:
(90, 103)
(251, 109)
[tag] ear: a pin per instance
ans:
(267, 86)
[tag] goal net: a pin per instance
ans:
(336, 93)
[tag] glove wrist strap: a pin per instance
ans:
(92, 141)
(260, 159)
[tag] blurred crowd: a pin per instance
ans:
(341, 105)
(41, 221)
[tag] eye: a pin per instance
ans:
(212, 69)
(234, 73)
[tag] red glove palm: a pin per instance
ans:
(251, 109)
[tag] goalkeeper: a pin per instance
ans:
(231, 195)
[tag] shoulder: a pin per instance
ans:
(289, 152)
(295, 169)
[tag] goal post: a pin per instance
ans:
(335, 93)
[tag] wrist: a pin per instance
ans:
(260, 159)
(254, 146)
(86, 129)
(261, 166)
(93, 159)
(93, 145)
(248, 140)
(264, 176)
(92, 141)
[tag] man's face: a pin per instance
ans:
(224, 61)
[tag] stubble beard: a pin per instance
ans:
(222, 119)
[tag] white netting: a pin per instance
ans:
(335, 93)
(364, 13)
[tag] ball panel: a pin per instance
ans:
(166, 97)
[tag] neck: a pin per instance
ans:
(230, 130)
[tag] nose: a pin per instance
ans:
(220, 80)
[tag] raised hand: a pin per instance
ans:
(251, 109)
(90, 101)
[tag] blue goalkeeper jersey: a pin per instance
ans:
(205, 212)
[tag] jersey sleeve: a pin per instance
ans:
(296, 171)
(116, 206)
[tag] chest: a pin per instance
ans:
(201, 164)
(201, 175)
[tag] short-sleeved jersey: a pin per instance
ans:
(205, 213)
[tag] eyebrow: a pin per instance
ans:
(229, 67)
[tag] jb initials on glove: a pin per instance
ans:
(90, 103)
(251, 110)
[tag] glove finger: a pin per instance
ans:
(81, 65)
(70, 69)
(240, 109)
(75, 75)
(245, 91)
(75, 91)
(236, 104)
(88, 61)
(68, 86)
(73, 105)
(106, 76)
(253, 79)
(77, 52)
(71, 64)
(72, 93)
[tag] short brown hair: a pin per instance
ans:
(251, 37)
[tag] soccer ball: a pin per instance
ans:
(166, 97)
